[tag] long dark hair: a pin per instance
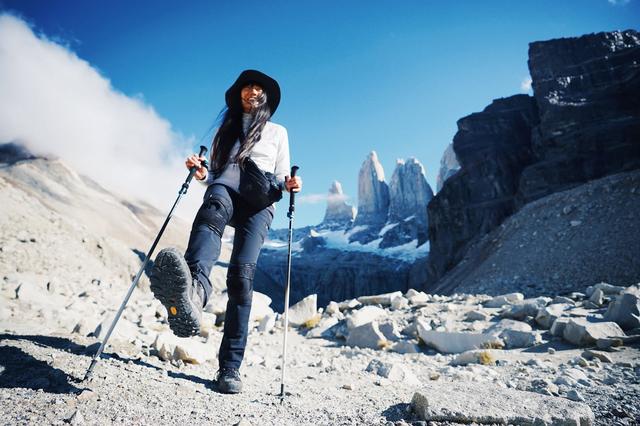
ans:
(231, 130)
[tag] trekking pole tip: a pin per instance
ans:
(89, 374)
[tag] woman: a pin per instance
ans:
(182, 283)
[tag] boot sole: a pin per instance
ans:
(170, 282)
(229, 389)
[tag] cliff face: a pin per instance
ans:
(587, 90)
(493, 147)
(582, 123)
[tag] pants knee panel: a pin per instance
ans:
(214, 214)
(240, 282)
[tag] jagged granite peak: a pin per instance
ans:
(338, 212)
(373, 193)
(409, 192)
(448, 166)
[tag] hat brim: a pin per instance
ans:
(268, 84)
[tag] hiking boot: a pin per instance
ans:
(173, 285)
(228, 380)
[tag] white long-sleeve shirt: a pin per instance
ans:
(270, 153)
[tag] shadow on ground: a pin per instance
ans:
(19, 369)
(398, 412)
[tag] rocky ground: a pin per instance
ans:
(412, 358)
(583, 235)
(387, 359)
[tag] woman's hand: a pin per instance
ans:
(293, 184)
(195, 161)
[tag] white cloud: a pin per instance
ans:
(57, 103)
(320, 198)
(619, 2)
(311, 198)
(525, 84)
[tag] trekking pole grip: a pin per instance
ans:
(203, 152)
(292, 194)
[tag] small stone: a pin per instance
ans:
(405, 347)
(551, 351)
(399, 302)
(607, 344)
(562, 299)
(349, 304)
(267, 323)
(574, 395)
(575, 223)
(86, 395)
(590, 354)
(348, 386)
(597, 298)
(477, 316)
(332, 308)
(76, 418)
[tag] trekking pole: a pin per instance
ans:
(292, 207)
(181, 192)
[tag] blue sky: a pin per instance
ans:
(356, 76)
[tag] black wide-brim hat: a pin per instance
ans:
(268, 84)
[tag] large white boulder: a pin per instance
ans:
(456, 342)
(504, 299)
(548, 314)
(366, 336)
(606, 289)
(379, 299)
(526, 308)
(304, 310)
(364, 315)
(582, 332)
(625, 309)
(487, 403)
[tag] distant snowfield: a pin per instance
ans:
(339, 240)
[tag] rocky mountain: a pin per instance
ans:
(62, 230)
(373, 192)
(583, 123)
(339, 214)
(343, 256)
(448, 166)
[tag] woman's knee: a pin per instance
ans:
(215, 212)
(240, 282)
